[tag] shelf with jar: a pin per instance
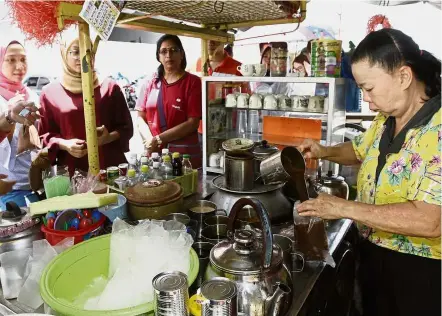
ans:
(234, 107)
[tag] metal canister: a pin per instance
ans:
(103, 176)
(171, 295)
(112, 174)
(220, 297)
(122, 167)
(120, 183)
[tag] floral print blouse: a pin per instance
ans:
(412, 174)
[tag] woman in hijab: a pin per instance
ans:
(62, 126)
(15, 157)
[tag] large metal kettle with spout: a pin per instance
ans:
(333, 185)
(256, 266)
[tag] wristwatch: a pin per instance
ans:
(159, 141)
(8, 118)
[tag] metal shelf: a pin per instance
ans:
(215, 170)
(327, 80)
(256, 137)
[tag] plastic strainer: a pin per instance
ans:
(69, 273)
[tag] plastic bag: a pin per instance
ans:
(13, 270)
(42, 254)
(83, 182)
(137, 254)
(56, 181)
(311, 238)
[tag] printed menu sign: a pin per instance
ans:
(102, 15)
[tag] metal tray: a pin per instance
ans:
(218, 182)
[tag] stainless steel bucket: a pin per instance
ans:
(239, 172)
(281, 166)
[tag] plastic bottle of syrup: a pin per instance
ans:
(187, 166)
(144, 161)
(154, 157)
(131, 178)
(166, 168)
(177, 165)
(133, 162)
(156, 172)
(144, 176)
(164, 153)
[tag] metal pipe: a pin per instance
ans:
(204, 58)
(88, 98)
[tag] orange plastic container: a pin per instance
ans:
(55, 236)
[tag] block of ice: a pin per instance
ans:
(137, 255)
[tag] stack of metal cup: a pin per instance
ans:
(220, 297)
(171, 296)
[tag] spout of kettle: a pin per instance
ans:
(277, 304)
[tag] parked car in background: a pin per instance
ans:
(37, 82)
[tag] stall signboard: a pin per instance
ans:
(102, 15)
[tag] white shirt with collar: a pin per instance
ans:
(16, 167)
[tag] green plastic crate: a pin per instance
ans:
(189, 182)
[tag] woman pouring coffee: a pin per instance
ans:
(169, 106)
(398, 208)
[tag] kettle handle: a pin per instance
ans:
(259, 208)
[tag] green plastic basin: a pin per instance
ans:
(69, 273)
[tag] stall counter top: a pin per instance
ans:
(303, 281)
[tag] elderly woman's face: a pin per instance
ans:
(383, 91)
(171, 56)
(15, 66)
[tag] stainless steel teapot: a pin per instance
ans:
(333, 185)
(263, 283)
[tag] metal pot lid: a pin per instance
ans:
(331, 178)
(237, 145)
(153, 192)
(264, 149)
(243, 255)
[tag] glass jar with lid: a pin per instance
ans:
(278, 59)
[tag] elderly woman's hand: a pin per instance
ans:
(325, 206)
(312, 149)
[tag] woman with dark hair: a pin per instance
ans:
(266, 54)
(398, 208)
(169, 106)
(299, 65)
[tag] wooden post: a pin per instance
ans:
(204, 58)
(88, 98)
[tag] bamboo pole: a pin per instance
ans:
(204, 58)
(88, 98)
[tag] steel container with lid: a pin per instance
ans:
(220, 297)
(171, 295)
(261, 152)
(18, 230)
(334, 185)
(154, 199)
(253, 266)
(239, 164)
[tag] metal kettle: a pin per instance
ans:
(263, 282)
(332, 184)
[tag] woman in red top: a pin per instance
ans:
(169, 105)
(62, 126)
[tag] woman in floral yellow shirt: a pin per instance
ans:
(398, 208)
